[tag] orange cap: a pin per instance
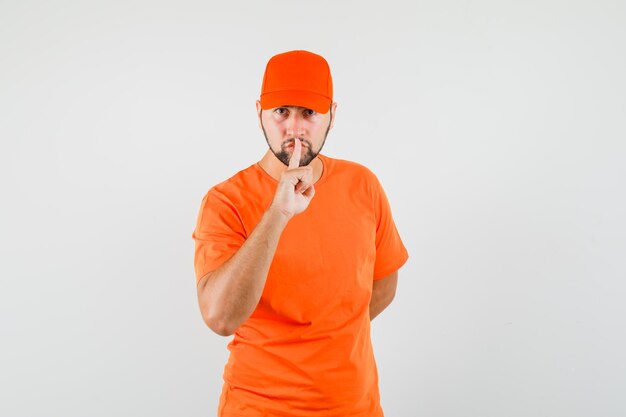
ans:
(297, 78)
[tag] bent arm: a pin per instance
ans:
(229, 295)
(383, 292)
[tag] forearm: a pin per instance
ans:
(233, 291)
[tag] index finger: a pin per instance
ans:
(294, 161)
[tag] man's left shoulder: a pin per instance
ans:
(354, 169)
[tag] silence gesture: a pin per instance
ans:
(295, 188)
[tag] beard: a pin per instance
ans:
(307, 153)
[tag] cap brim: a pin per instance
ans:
(308, 99)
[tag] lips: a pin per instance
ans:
(291, 145)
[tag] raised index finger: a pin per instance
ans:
(294, 161)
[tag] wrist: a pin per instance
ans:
(275, 214)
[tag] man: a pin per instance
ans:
(295, 255)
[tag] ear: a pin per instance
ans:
(333, 112)
(258, 112)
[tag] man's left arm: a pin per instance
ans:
(383, 292)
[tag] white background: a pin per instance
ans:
(496, 128)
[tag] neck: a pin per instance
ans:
(275, 168)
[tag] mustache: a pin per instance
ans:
(305, 143)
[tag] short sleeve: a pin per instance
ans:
(390, 251)
(219, 233)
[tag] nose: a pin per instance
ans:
(295, 125)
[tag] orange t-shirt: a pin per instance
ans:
(306, 349)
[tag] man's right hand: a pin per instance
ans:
(295, 188)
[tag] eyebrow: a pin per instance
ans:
(294, 107)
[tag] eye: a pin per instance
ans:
(310, 112)
(280, 110)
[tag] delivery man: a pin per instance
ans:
(294, 256)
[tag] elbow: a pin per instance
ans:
(219, 326)
(212, 314)
(223, 330)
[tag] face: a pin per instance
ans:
(281, 125)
